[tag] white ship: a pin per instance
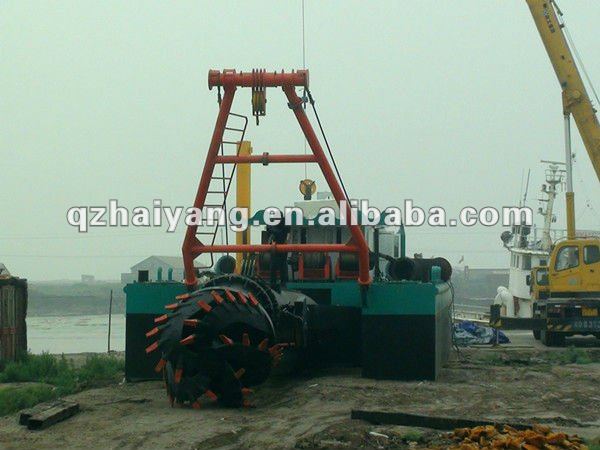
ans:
(530, 247)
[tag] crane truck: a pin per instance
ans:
(566, 293)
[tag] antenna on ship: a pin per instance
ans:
(526, 188)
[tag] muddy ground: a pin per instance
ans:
(523, 382)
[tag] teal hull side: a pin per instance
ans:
(151, 298)
(402, 329)
(382, 298)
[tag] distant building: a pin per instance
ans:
(491, 275)
(171, 267)
(88, 279)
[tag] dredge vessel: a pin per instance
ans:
(220, 337)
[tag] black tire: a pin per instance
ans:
(536, 315)
(550, 339)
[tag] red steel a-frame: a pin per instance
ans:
(230, 80)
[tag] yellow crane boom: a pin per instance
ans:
(576, 100)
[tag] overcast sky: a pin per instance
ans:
(444, 102)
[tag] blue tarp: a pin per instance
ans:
(468, 333)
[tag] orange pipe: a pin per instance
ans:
(280, 248)
(265, 158)
(256, 78)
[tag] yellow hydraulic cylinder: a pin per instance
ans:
(242, 188)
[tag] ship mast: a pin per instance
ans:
(554, 178)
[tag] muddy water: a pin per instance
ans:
(74, 334)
